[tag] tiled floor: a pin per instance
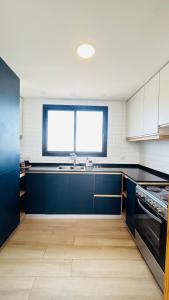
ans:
(74, 260)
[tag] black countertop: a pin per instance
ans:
(142, 176)
(136, 174)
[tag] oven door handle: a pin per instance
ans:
(149, 213)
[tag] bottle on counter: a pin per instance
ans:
(89, 163)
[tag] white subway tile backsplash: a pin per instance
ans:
(155, 155)
(119, 150)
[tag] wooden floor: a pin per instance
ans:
(74, 260)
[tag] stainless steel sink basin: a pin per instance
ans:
(71, 168)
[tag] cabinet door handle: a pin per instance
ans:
(148, 212)
(106, 196)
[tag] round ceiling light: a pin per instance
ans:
(86, 51)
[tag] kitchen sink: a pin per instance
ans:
(71, 168)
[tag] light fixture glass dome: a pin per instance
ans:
(86, 51)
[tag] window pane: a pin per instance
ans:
(89, 131)
(60, 130)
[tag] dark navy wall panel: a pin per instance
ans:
(9, 119)
(9, 204)
(9, 151)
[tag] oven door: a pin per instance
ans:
(152, 229)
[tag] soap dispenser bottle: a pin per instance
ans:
(89, 163)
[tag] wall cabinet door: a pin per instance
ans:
(142, 110)
(130, 206)
(135, 114)
(105, 184)
(164, 96)
(151, 106)
(138, 113)
(130, 117)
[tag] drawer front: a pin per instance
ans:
(107, 205)
(108, 184)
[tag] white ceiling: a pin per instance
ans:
(38, 39)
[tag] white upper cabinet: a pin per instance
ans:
(135, 114)
(130, 117)
(164, 96)
(138, 116)
(149, 108)
(150, 115)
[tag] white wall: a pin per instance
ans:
(119, 150)
(155, 155)
(152, 154)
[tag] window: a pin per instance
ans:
(78, 129)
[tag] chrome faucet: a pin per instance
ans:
(74, 158)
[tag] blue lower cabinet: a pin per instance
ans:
(65, 193)
(37, 193)
(70, 194)
(131, 205)
(80, 196)
(58, 197)
(108, 184)
(9, 204)
(59, 193)
(107, 205)
(46, 193)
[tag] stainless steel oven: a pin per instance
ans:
(150, 231)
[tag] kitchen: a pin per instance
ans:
(84, 136)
